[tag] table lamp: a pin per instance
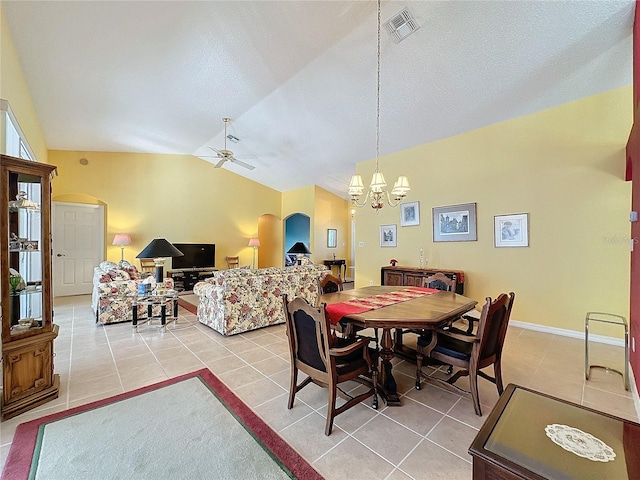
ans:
(121, 240)
(299, 249)
(255, 243)
(159, 249)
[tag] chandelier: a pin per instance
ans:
(378, 192)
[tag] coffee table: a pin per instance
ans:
(168, 298)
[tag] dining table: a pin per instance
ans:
(416, 308)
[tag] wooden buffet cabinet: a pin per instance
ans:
(412, 276)
(26, 305)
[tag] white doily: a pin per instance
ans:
(580, 443)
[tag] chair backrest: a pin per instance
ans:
(233, 262)
(439, 281)
(147, 265)
(308, 333)
(329, 284)
(493, 324)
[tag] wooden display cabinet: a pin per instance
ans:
(26, 305)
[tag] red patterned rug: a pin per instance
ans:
(28, 457)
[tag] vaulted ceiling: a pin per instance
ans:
(298, 78)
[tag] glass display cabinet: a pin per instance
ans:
(26, 305)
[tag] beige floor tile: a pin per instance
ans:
(354, 418)
(298, 435)
(464, 412)
(240, 377)
(340, 462)
(398, 474)
(254, 355)
(278, 416)
(434, 397)
(430, 462)
(223, 365)
(453, 436)
(259, 392)
(416, 416)
(272, 365)
(611, 403)
(377, 433)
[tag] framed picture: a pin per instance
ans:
(455, 223)
(388, 236)
(332, 238)
(410, 214)
(511, 230)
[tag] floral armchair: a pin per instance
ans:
(238, 300)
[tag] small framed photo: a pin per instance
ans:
(388, 236)
(332, 238)
(455, 223)
(410, 214)
(511, 230)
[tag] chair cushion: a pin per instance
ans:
(448, 346)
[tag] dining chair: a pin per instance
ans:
(233, 262)
(147, 265)
(327, 365)
(441, 281)
(471, 353)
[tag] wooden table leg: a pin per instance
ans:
(389, 386)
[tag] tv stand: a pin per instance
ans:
(186, 278)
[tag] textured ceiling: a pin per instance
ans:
(298, 78)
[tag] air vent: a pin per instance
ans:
(233, 139)
(401, 25)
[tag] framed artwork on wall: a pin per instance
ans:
(388, 236)
(409, 214)
(455, 223)
(511, 230)
(332, 238)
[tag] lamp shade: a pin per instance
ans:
(254, 242)
(121, 239)
(159, 248)
(299, 248)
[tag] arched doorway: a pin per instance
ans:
(297, 228)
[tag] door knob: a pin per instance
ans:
(60, 255)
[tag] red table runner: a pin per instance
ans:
(336, 311)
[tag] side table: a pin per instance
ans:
(151, 300)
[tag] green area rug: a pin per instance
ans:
(189, 427)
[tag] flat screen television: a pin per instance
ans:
(196, 255)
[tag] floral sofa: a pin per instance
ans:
(114, 288)
(237, 300)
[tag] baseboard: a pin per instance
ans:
(618, 342)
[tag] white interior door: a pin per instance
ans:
(78, 246)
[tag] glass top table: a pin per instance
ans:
(531, 435)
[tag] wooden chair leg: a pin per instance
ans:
(374, 380)
(497, 370)
(292, 385)
(473, 380)
(419, 358)
(331, 409)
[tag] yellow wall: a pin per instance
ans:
(178, 197)
(565, 167)
(14, 89)
(330, 212)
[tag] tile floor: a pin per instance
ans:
(427, 437)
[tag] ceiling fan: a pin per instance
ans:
(225, 155)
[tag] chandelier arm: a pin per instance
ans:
(354, 201)
(398, 200)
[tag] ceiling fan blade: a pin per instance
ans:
(221, 162)
(245, 156)
(218, 153)
(241, 163)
